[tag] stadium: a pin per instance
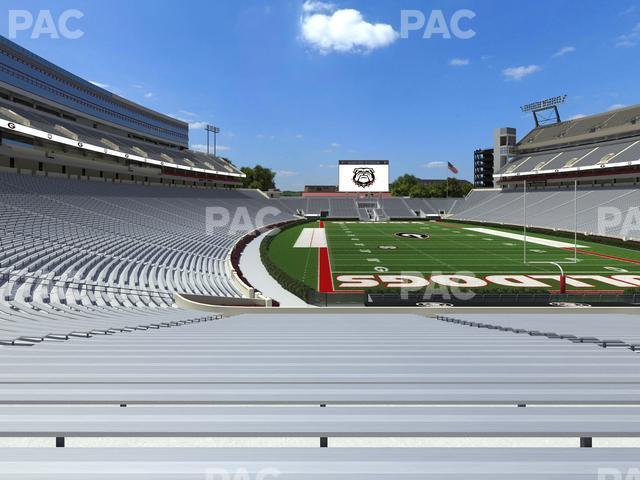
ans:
(160, 317)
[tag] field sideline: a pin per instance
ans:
(439, 248)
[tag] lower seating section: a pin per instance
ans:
(396, 208)
(390, 207)
(326, 377)
(343, 208)
(315, 206)
(72, 249)
(293, 205)
(554, 209)
(443, 205)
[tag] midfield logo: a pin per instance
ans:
(416, 236)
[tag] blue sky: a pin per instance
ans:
(296, 88)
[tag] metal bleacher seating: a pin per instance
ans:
(109, 252)
(552, 208)
(343, 208)
(388, 207)
(396, 208)
(326, 377)
(602, 153)
(406, 207)
(315, 206)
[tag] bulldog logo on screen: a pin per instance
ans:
(364, 177)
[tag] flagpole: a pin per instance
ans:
(450, 167)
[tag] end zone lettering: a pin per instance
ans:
(468, 281)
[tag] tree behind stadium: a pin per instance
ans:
(411, 186)
(258, 177)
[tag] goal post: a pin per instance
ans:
(563, 276)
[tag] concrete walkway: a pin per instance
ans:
(257, 274)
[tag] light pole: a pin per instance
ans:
(575, 218)
(215, 131)
(524, 219)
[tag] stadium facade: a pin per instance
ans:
(58, 124)
(598, 150)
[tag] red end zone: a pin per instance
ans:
(325, 277)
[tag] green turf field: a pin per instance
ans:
(300, 263)
(375, 248)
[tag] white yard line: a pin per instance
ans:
(311, 238)
(530, 239)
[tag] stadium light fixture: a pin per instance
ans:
(543, 105)
(215, 130)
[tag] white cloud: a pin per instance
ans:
(299, 135)
(577, 116)
(435, 165)
(518, 73)
(286, 173)
(198, 125)
(459, 62)
(188, 113)
(563, 51)
(149, 95)
(101, 85)
(332, 148)
(616, 106)
(262, 136)
(631, 39)
(328, 165)
(203, 148)
(177, 117)
(628, 11)
(344, 30)
(311, 6)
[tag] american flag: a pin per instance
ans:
(452, 167)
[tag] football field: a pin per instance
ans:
(339, 256)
